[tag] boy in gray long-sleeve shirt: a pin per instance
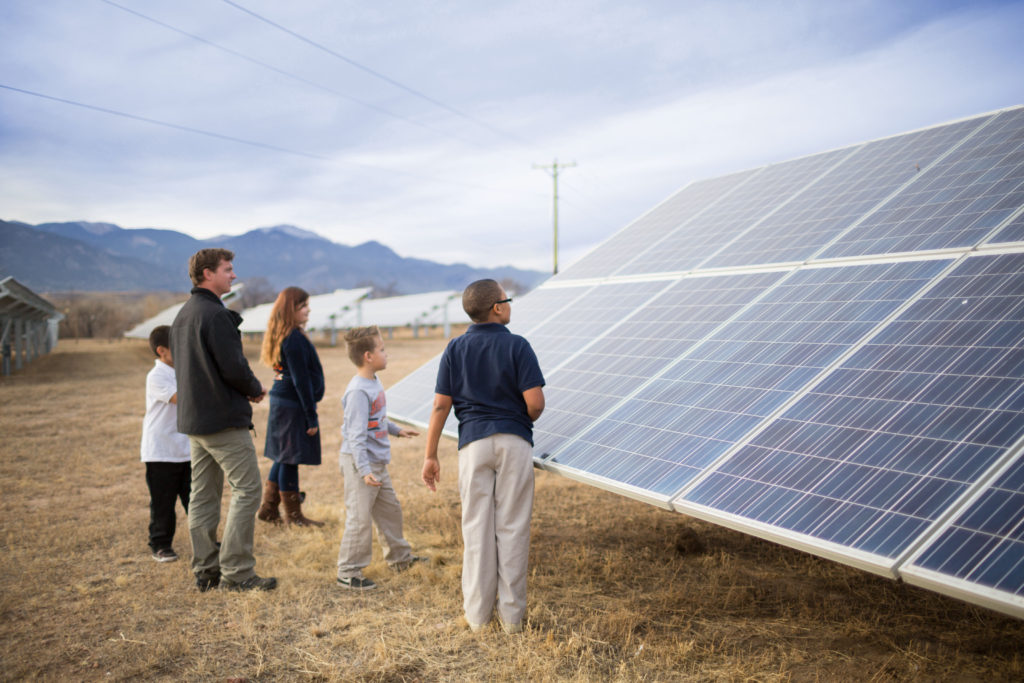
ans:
(365, 454)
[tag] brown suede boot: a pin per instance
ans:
(293, 509)
(268, 511)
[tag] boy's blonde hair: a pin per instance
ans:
(359, 341)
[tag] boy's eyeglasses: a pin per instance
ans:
(503, 301)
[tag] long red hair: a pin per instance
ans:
(281, 323)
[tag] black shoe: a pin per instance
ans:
(253, 583)
(357, 583)
(407, 564)
(205, 583)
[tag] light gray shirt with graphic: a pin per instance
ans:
(364, 433)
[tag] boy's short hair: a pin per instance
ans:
(160, 336)
(359, 341)
(479, 297)
(207, 258)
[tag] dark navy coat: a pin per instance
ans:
(298, 386)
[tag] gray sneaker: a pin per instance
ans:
(407, 564)
(165, 555)
(253, 583)
(357, 583)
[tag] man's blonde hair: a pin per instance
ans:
(359, 341)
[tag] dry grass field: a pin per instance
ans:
(619, 590)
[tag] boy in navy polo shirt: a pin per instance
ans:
(494, 382)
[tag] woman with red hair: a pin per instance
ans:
(293, 431)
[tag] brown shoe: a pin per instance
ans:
(268, 511)
(293, 509)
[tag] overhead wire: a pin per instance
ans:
(287, 74)
(376, 74)
(243, 141)
(165, 124)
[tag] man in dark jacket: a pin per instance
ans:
(215, 387)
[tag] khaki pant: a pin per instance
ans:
(496, 487)
(230, 452)
(366, 506)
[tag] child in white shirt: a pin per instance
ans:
(365, 453)
(165, 451)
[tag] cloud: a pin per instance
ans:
(645, 97)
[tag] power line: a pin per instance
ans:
(376, 74)
(165, 124)
(252, 143)
(287, 74)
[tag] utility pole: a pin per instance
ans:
(552, 171)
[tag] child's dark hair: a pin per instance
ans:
(478, 299)
(160, 336)
(360, 340)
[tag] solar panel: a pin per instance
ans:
(815, 217)
(1013, 232)
(650, 227)
(653, 335)
(883, 446)
(979, 555)
(764, 192)
(682, 420)
(826, 352)
(955, 203)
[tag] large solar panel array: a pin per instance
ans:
(827, 352)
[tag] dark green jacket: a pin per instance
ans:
(214, 378)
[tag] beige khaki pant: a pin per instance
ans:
(496, 487)
(366, 506)
(229, 453)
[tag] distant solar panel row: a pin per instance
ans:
(827, 352)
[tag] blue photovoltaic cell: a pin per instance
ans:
(819, 214)
(888, 441)
(1013, 232)
(592, 382)
(681, 422)
(704, 234)
(589, 317)
(954, 204)
(411, 399)
(985, 544)
(652, 226)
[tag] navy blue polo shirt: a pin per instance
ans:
(485, 372)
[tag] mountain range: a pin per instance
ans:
(83, 256)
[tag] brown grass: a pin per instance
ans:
(619, 590)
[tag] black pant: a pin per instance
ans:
(166, 481)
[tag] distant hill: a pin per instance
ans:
(105, 257)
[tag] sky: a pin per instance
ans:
(432, 125)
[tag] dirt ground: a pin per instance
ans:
(619, 590)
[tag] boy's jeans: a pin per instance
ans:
(365, 506)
